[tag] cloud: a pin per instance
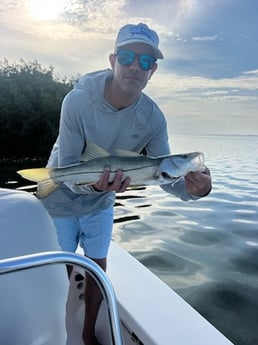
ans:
(98, 16)
(204, 105)
(176, 83)
(206, 38)
(78, 19)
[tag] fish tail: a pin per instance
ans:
(36, 175)
(46, 185)
(45, 188)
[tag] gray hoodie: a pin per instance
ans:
(87, 116)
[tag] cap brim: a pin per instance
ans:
(156, 51)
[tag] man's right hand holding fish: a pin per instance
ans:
(119, 184)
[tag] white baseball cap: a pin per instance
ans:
(141, 33)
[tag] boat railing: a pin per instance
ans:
(47, 258)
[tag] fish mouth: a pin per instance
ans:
(167, 177)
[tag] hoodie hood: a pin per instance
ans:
(91, 81)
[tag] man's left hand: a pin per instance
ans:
(198, 183)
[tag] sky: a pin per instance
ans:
(208, 81)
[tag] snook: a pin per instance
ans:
(142, 170)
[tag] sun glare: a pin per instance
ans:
(46, 9)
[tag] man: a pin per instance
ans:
(109, 109)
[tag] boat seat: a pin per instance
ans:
(109, 304)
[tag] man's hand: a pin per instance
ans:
(198, 183)
(117, 185)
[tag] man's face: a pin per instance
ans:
(132, 79)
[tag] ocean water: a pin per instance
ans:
(206, 250)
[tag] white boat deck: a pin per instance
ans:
(146, 303)
(151, 313)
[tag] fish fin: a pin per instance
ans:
(45, 188)
(36, 175)
(125, 153)
(93, 151)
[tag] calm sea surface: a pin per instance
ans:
(206, 250)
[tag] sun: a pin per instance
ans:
(46, 9)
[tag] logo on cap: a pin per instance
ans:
(142, 30)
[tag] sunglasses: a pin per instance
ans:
(127, 57)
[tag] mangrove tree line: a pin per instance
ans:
(30, 101)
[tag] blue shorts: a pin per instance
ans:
(93, 232)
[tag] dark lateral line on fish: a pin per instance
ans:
(112, 171)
